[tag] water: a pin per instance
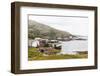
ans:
(71, 47)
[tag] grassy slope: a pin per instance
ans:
(34, 55)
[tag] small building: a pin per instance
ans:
(34, 42)
(37, 42)
(30, 42)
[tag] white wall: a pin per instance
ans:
(5, 33)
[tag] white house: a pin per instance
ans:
(34, 42)
(30, 42)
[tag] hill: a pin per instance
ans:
(36, 29)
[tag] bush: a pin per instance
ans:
(33, 52)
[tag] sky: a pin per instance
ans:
(73, 24)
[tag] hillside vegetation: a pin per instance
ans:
(36, 29)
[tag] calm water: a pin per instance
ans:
(70, 47)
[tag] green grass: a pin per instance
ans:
(33, 54)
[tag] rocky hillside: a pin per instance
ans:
(36, 29)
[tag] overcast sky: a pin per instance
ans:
(73, 25)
